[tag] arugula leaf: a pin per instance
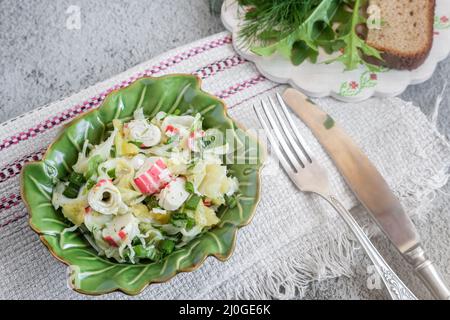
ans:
(352, 45)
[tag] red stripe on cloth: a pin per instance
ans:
(13, 169)
(96, 100)
(224, 94)
(13, 219)
(10, 201)
(218, 66)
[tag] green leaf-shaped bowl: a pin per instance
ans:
(92, 274)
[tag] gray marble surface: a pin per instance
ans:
(42, 61)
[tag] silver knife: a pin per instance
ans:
(369, 187)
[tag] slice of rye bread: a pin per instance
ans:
(406, 33)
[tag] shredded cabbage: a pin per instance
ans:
(141, 201)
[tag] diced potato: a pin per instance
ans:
(75, 211)
(211, 185)
(123, 147)
(205, 217)
(162, 218)
(140, 210)
(129, 149)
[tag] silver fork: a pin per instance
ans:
(309, 176)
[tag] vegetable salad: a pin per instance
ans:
(149, 188)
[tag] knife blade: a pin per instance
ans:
(369, 186)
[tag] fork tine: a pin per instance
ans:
(306, 150)
(273, 142)
(282, 141)
(295, 145)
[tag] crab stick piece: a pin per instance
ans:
(152, 176)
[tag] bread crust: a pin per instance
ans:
(397, 60)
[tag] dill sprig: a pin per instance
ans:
(271, 20)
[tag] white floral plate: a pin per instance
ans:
(319, 80)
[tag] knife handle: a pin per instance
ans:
(396, 288)
(428, 273)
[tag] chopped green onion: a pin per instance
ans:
(135, 241)
(112, 173)
(77, 179)
(190, 223)
(189, 186)
(329, 122)
(147, 253)
(136, 143)
(71, 191)
(192, 164)
(112, 152)
(90, 184)
(178, 219)
(151, 202)
(192, 202)
(231, 201)
(166, 246)
(177, 112)
(182, 220)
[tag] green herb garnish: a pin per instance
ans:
(71, 191)
(112, 173)
(166, 246)
(147, 253)
(182, 220)
(192, 202)
(90, 184)
(328, 123)
(77, 179)
(151, 201)
(189, 187)
(136, 143)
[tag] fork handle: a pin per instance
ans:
(397, 289)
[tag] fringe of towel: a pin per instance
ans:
(295, 274)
